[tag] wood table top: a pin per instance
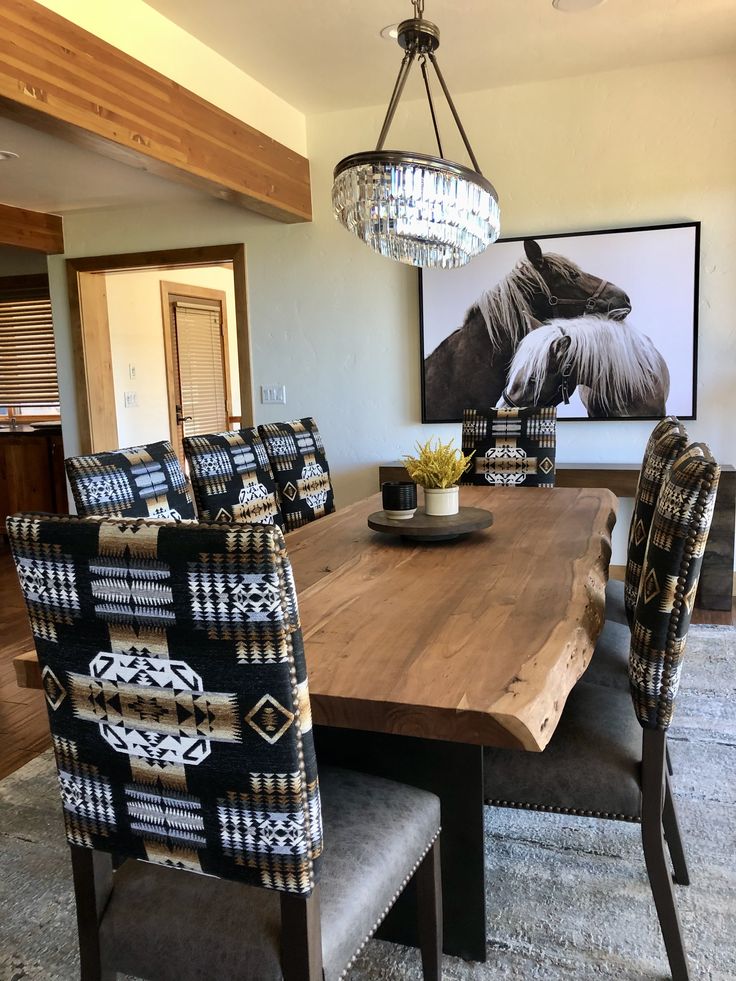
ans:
(478, 640)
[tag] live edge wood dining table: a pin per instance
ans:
(421, 654)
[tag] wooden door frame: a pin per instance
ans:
(170, 292)
(91, 345)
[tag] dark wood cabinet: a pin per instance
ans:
(31, 472)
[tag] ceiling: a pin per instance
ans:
(55, 176)
(323, 55)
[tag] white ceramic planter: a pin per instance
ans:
(441, 501)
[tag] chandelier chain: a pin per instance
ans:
(418, 8)
(425, 76)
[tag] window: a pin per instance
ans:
(29, 389)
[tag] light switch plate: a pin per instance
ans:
(273, 394)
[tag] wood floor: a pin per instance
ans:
(24, 727)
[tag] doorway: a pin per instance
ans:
(128, 357)
(196, 347)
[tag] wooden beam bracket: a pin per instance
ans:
(32, 230)
(61, 79)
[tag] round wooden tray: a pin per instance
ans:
(428, 528)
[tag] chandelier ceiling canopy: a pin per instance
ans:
(415, 207)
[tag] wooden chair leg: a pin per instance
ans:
(92, 873)
(655, 856)
(673, 836)
(428, 879)
(301, 937)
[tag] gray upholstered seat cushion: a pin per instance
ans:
(615, 605)
(170, 925)
(609, 665)
(591, 764)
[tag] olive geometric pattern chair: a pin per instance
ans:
(137, 482)
(666, 442)
(300, 467)
(174, 673)
(510, 447)
(232, 478)
(605, 760)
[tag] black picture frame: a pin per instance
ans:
(429, 417)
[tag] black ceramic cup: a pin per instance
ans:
(399, 498)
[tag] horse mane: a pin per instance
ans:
(617, 361)
(505, 307)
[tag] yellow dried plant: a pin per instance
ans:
(440, 465)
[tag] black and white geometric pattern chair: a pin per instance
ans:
(610, 664)
(175, 678)
(605, 760)
(666, 442)
(511, 447)
(137, 482)
(300, 467)
(232, 478)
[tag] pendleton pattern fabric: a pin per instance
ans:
(137, 482)
(232, 478)
(174, 673)
(511, 447)
(666, 442)
(300, 467)
(669, 582)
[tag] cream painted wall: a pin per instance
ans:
(147, 35)
(21, 262)
(338, 325)
(136, 338)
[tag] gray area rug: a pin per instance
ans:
(567, 897)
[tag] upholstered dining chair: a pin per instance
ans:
(605, 760)
(174, 672)
(510, 447)
(299, 465)
(666, 442)
(137, 482)
(232, 477)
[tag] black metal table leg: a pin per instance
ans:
(453, 771)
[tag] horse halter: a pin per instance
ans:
(556, 301)
(563, 389)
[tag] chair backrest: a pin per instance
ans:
(512, 447)
(232, 478)
(667, 441)
(174, 672)
(669, 582)
(300, 467)
(137, 482)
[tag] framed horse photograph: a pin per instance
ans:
(601, 324)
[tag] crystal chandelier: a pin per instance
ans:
(414, 207)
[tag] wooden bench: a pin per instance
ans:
(715, 592)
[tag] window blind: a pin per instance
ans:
(201, 369)
(27, 352)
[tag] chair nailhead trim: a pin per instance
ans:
(670, 661)
(393, 899)
(574, 811)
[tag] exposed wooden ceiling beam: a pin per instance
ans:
(56, 77)
(33, 230)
